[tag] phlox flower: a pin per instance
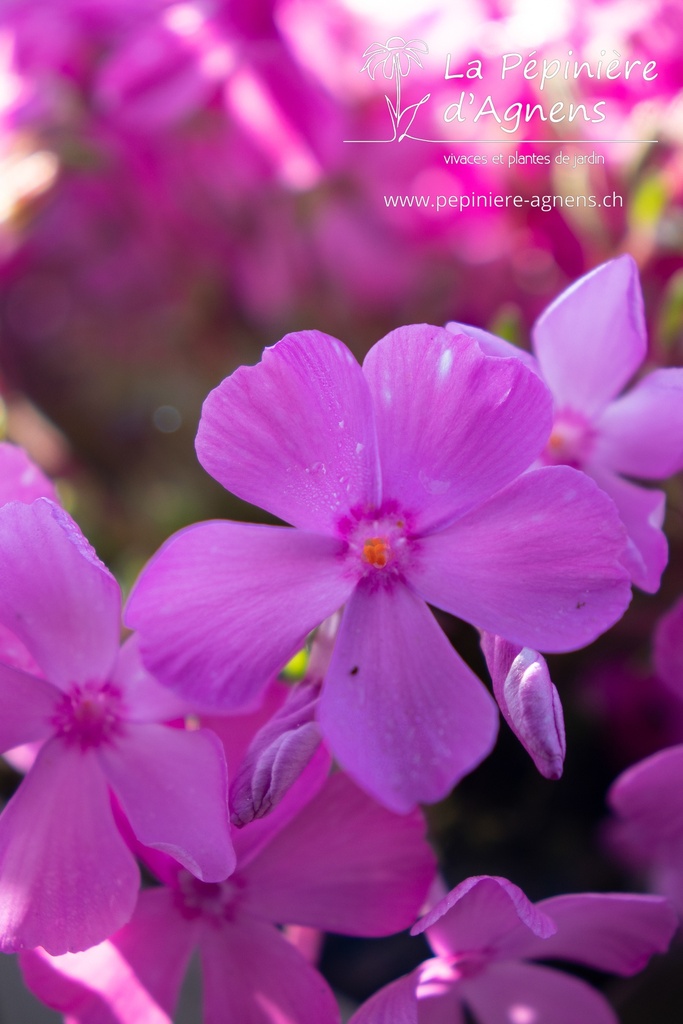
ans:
(587, 346)
(484, 932)
(402, 480)
(67, 878)
(326, 857)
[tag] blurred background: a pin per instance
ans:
(176, 192)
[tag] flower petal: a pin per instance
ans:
(641, 434)
(668, 653)
(649, 797)
(27, 705)
(492, 345)
(146, 700)
(294, 434)
(538, 564)
(528, 700)
(396, 1003)
(67, 879)
(262, 978)
(172, 786)
(400, 710)
(223, 606)
(475, 915)
(453, 425)
(20, 478)
(529, 994)
(642, 513)
(592, 338)
(134, 976)
(344, 865)
(56, 595)
(616, 932)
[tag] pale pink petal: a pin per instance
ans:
(67, 879)
(56, 595)
(27, 706)
(475, 915)
(668, 652)
(592, 338)
(642, 513)
(528, 700)
(641, 434)
(615, 932)
(453, 425)
(172, 786)
(492, 345)
(538, 564)
(252, 970)
(344, 865)
(400, 710)
(223, 606)
(145, 699)
(295, 434)
(276, 757)
(394, 1004)
(20, 478)
(14, 653)
(510, 993)
(133, 977)
(258, 834)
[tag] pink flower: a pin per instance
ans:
(402, 480)
(67, 878)
(484, 932)
(588, 344)
(327, 857)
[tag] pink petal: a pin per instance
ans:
(400, 710)
(475, 916)
(668, 643)
(56, 595)
(146, 700)
(453, 425)
(641, 434)
(294, 434)
(592, 338)
(642, 513)
(277, 756)
(252, 970)
(649, 797)
(344, 865)
(394, 1004)
(172, 786)
(492, 345)
(236, 731)
(20, 478)
(528, 994)
(528, 700)
(223, 606)
(134, 976)
(538, 564)
(258, 834)
(616, 932)
(27, 706)
(67, 879)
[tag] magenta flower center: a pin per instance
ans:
(215, 902)
(571, 440)
(89, 714)
(380, 546)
